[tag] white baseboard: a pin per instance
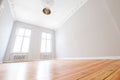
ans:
(78, 58)
(91, 58)
(27, 61)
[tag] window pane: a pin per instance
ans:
(48, 46)
(48, 36)
(44, 35)
(43, 45)
(21, 31)
(26, 43)
(27, 32)
(18, 43)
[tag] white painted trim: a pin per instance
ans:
(90, 58)
(28, 61)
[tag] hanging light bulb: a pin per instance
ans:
(47, 4)
(47, 11)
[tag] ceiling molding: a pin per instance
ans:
(72, 12)
(11, 5)
(33, 15)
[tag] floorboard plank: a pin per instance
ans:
(114, 76)
(62, 70)
(103, 73)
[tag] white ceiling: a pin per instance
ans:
(30, 11)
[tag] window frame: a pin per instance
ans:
(13, 38)
(51, 42)
(35, 42)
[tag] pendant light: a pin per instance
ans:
(47, 4)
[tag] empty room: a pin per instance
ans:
(59, 39)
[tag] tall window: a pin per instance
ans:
(46, 43)
(22, 40)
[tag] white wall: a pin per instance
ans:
(114, 6)
(6, 22)
(91, 32)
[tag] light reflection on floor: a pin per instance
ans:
(16, 72)
(43, 71)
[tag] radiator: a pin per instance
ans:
(19, 57)
(46, 56)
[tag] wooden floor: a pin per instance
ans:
(62, 70)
